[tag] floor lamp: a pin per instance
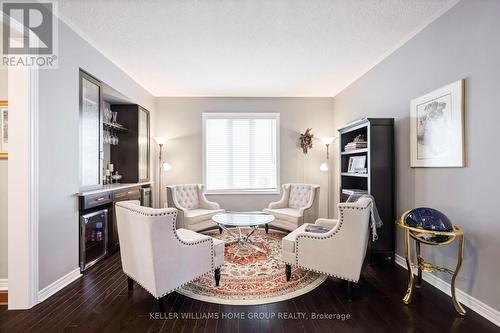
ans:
(325, 167)
(162, 166)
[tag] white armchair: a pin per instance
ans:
(157, 256)
(299, 204)
(195, 211)
(340, 252)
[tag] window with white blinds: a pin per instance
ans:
(241, 152)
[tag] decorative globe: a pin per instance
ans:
(428, 219)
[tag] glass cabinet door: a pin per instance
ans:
(143, 145)
(90, 132)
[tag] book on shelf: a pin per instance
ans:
(353, 148)
(356, 143)
(361, 170)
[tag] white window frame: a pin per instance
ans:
(241, 115)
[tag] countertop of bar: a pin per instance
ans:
(112, 187)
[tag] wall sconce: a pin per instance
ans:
(166, 167)
(325, 166)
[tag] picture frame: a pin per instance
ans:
(4, 132)
(356, 163)
(437, 128)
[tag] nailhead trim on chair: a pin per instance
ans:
(182, 242)
(209, 239)
(341, 209)
(146, 214)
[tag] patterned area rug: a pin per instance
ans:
(249, 277)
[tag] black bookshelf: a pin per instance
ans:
(379, 178)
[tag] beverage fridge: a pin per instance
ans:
(93, 237)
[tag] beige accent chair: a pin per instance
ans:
(160, 257)
(340, 252)
(195, 211)
(299, 204)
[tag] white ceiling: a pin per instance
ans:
(248, 47)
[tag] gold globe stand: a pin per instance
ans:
(429, 237)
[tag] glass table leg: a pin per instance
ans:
(236, 238)
(242, 240)
(247, 242)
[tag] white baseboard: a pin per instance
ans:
(59, 284)
(4, 285)
(474, 304)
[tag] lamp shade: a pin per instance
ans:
(160, 140)
(324, 166)
(328, 140)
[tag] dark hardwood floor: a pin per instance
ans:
(99, 302)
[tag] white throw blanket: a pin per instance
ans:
(376, 222)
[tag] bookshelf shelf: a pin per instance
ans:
(357, 151)
(352, 174)
(379, 181)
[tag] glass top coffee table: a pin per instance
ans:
(239, 220)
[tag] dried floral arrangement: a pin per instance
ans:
(306, 140)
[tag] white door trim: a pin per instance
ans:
(23, 188)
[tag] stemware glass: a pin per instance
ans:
(107, 115)
(114, 138)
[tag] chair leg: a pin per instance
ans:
(349, 287)
(161, 305)
(288, 272)
(217, 276)
(267, 228)
(130, 284)
(220, 230)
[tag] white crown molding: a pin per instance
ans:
(4, 284)
(59, 284)
(474, 304)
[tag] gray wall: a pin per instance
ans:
(463, 43)
(58, 148)
(3, 191)
(179, 119)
